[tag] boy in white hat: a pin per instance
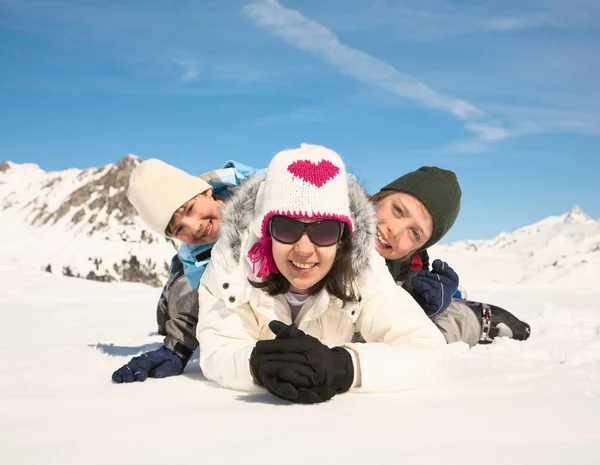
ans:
(178, 205)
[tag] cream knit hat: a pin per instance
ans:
(157, 189)
(309, 182)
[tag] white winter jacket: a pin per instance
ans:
(404, 349)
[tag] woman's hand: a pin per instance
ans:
(299, 368)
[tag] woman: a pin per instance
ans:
(414, 212)
(297, 247)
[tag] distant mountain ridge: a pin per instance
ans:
(563, 249)
(80, 223)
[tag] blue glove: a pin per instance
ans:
(433, 290)
(158, 363)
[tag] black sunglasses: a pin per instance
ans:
(321, 233)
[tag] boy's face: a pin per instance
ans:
(404, 225)
(197, 221)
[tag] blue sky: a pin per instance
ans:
(507, 94)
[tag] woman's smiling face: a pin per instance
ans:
(303, 263)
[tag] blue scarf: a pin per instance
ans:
(224, 182)
(194, 259)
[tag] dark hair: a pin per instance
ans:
(339, 281)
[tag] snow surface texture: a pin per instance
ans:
(534, 402)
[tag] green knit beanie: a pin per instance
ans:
(438, 190)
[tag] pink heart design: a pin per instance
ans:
(317, 174)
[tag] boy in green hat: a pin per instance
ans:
(415, 211)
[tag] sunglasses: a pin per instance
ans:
(322, 233)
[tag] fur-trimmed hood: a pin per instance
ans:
(238, 215)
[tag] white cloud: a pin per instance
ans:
(155, 47)
(527, 120)
(312, 37)
(488, 132)
(190, 69)
(512, 23)
(431, 19)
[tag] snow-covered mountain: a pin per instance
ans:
(561, 249)
(78, 223)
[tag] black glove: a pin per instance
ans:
(433, 290)
(158, 363)
(299, 368)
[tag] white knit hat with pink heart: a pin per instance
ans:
(309, 182)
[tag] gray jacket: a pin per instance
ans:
(177, 313)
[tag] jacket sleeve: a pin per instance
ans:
(178, 312)
(227, 332)
(227, 337)
(181, 327)
(170, 289)
(403, 349)
(174, 288)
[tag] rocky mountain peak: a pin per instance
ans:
(577, 215)
(81, 222)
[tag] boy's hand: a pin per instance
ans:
(158, 363)
(435, 288)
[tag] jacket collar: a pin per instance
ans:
(277, 307)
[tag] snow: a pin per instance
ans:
(512, 402)
(84, 247)
(562, 249)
